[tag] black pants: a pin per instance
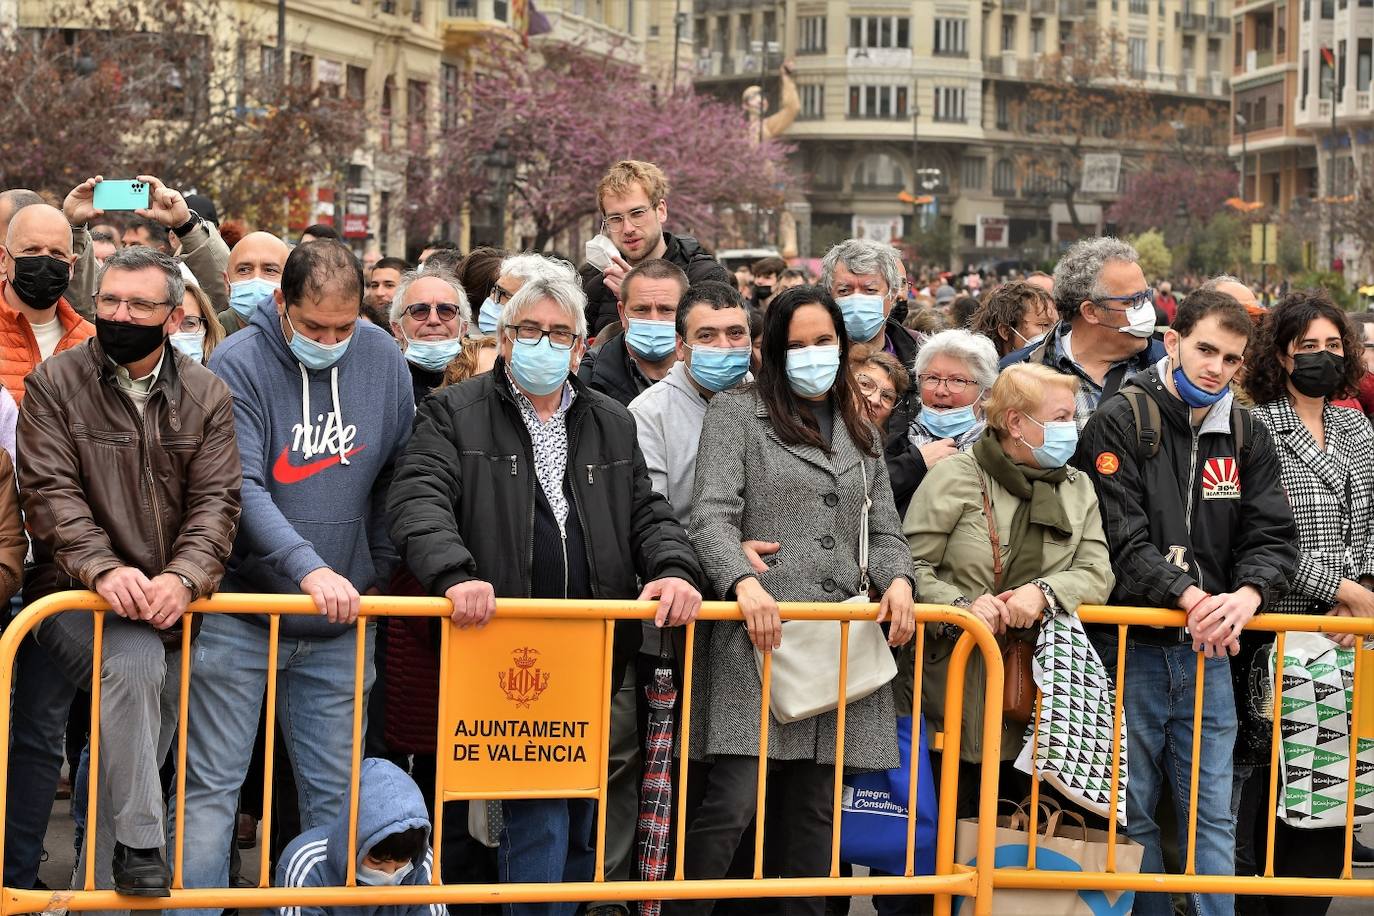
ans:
(801, 837)
(1298, 853)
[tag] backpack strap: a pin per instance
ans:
(1242, 425)
(1145, 412)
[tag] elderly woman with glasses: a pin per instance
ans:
(953, 372)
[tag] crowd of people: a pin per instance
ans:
(185, 417)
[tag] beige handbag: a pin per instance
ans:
(806, 672)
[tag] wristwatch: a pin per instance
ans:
(185, 228)
(190, 586)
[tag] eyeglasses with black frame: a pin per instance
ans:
(531, 334)
(419, 311)
(106, 304)
(1134, 300)
(192, 324)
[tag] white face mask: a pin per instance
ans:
(1140, 320)
(375, 877)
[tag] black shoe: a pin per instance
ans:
(1360, 854)
(140, 872)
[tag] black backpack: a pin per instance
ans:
(1145, 412)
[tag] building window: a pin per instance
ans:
(388, 6)
(1135, 48)
(1008, 33)
(879, 32)
(1303, 94)
(950, 37)
(1362, 65)
(417, 113)
(1281, 30)
(388, 90)
(1037, 36)
(267, 63)
(877, 101)
(1213, 55)
(1003, 112)
(1340, 70)
(448, 89)
(1139, 7)
(827, 171)
(878, 171)
(812, 100)
(811, 35)
(949, 104)
(971, 173)
(1239, 44)
(1004, 178)
(355, 84)
(302, 70)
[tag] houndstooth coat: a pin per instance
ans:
(750, 486)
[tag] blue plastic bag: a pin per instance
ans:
(873, 815)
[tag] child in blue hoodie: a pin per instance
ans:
(392, 847)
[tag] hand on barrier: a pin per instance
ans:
(755, 551)
(762, 620)
(678, 601)
(167, 600)
(1217, 620)
(125, 589)
(1356, 598)
(474, 601)
(335, 597)
(992, 611)
(898, 606)
(1344, 640)
(1025, 605)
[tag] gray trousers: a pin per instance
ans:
(138, 718)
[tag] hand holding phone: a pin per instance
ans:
(121, 194)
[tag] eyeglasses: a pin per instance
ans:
(531, 334)
(870, 387)
(1135, 300)
(107, 304)
(191, 324)
(953, 384)
(419, 311)
(637, 217)
(499, 295)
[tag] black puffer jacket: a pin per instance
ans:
(905, 466)
(683, 250)
(1231, 527)
(462, 504)
(609, 369)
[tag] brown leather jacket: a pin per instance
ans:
(101, 488)
(13, 544)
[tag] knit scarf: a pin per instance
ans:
(1038, 505)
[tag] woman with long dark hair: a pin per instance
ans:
(1306, 354)
(792, 459)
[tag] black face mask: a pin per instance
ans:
(763, 291)
(40, 280)
(127, 343)
(1318, 375)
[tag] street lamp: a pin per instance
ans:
(1244, 126)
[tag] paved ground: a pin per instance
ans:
(57, 871)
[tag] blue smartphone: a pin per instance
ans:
(121, 195)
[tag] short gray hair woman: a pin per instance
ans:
(948, 360)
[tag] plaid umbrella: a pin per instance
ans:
(656, 791)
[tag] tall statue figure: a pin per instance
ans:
(768, 128)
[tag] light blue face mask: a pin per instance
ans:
(311, 353)
(538, 367)
(192, 344)
(653, 340)
(811, 371)
(718, 368)
(863, 316)
(488, 316)
(433, 355)
(1061, 440)
(246, 295)
(948, 424)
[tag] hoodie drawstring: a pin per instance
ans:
(306, 422)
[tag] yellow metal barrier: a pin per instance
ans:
(949, 881)
(1189, 881)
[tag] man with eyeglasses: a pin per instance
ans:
(633, 201)
(323, 408)
(646, 347)
(429, 317)
(1106, 328)
(129, 476)
(524, 482)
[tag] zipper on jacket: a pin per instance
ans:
(577, 507)
(1188, 516)
(142, 423)
(563, 533)
(514, 463)
(590, 482)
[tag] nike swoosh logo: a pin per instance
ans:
(284, 472)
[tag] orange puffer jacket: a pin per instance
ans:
(19, 348)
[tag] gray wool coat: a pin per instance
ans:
(749, 485)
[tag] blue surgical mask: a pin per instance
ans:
(433, 355)
(311, 353)
(718, 368)
(539, 368)
(950, 423)
(1061, 440)
(488, 316)
(375, 877)
(1191, 394)
(246, 295)
(863, 316)
(192, 344)
(653, 340)
(811, 370)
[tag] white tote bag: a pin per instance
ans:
(802, 684)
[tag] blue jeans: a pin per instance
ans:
(1159, 696)
(314, 707)
(547, 841)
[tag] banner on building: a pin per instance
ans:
(883, 229)
(1101, 173)
(992, 232)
